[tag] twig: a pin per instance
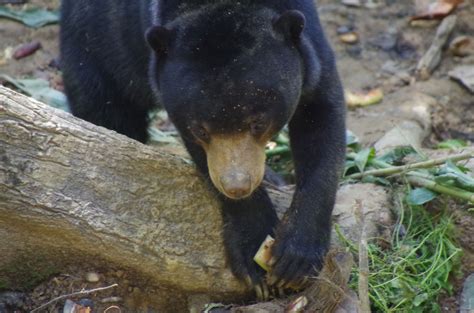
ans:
(82, 292)
(432, 185)
(409, 167)
(364, 302)
(432, 57)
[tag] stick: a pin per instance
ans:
(432, 57)
(363, 287)
(409, 167)
(432, 185)
(82, 292)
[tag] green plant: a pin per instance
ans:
(411, 274)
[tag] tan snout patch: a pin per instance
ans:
(236, 163)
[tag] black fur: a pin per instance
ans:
(223, 63)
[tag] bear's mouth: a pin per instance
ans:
(236, 163)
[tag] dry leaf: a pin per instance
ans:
(26, 49)
(435, 10)
(359, 99)
(462, 46)
(350, 37)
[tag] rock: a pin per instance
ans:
(350, 304)
(352, 3)
(72, 307)
(375, 208)
(86, 302)
(11, 301)
(465, 75)
(385, 41)
(111, 300)
(407, 133)
(467, 296)
(344, 29)
(414, 129)
(197, 302)
(92, 277)
(69, 306)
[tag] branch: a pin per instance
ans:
(432, 185)
(410, 167)
(78, 293)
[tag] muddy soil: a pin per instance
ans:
(385, 56)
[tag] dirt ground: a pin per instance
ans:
(385, 56)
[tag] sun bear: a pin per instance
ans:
(230, 74)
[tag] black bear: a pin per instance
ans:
(231, 74)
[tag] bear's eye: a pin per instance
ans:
(201, 133)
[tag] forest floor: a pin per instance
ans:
(385, 56)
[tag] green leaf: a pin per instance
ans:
(376, 180)
(282, 138)
(363, 157)
(396, 155)
(451, 144)
(450, 174)
(420, 196)
(419, 299)
(348, 166)
(351, 140)
(40, 90)
(33, 17)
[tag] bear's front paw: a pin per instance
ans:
(295, 257)
(244, 267)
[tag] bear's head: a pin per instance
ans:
(230, 77)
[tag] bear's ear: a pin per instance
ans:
(158, 38)
(290, 23)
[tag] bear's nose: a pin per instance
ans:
(236, 185)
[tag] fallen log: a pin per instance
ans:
(75, 193)
(68, 185)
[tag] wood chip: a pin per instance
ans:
(432, 57)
